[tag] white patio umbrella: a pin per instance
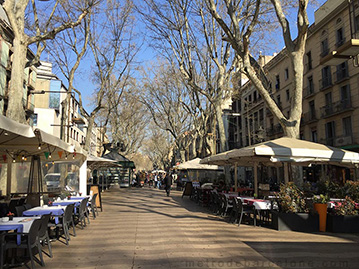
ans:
(285, 150)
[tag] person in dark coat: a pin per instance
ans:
(168, 183)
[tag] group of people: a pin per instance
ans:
(158, 180)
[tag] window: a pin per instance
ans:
(328, 109)
(310, 85)
(278, 101)
(309, 60)
(328, 98)
(314, 136)
(255, 96)
(342, 71)
(324, 47)
(312, 110)
(340, 37)
(33, 118)
(356, 22)
(326, 77)
(287, 94)
(286, 74)
(330, 132)
(345, 97)
(277, 82)
(347, 126)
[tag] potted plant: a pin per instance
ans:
(344, 217)
(10, 215)
(49, 203)
(320, 203)
(294, 211)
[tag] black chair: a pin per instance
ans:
(65, 221)
(21, 201)
(228, 205)
(245, 209)
(29, 241)
(44, 234)
(27, 206)
(13, 203)
(19, 210)
(82, 213)
(93, 205)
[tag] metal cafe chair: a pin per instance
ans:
(29, 241)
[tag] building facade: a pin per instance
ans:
(330, 85)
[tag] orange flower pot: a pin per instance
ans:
(322, 211)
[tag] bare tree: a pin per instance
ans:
(163, 97)
(113, 49)
(157, 146)
(44, 28)
(108, 32)
(193, 43)
(129, 121)
(239, 36)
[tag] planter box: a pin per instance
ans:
(300, 222)
(343, 224)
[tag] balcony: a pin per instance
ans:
(336, 108)
(28, 105)
(340, 43)
(325, 83)
(309, 91)
(338, 141)
(275, 129)
(234, 144)
(324, 53)
(342, 74)
(309, 117)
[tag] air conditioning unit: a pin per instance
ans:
(343, 141)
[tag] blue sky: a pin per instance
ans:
(83, 81)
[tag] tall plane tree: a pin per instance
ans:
(43, 29)
(230, 20)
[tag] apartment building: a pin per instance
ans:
(330, 85)
(50, 108)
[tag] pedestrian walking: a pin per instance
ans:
(168, 183)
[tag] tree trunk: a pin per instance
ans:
(221, 130)
(183, 155)
(15, 108)
(90, 125)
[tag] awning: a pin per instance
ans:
(94, 162)
(285, 149)
(19, 140)
(196, 165)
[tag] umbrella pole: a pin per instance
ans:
(8, 174)
(255, 179)
(235, 177)
(286, 173)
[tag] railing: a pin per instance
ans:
(309, 117)
(342, 74)
(325, 82)
(275, 129)
(340, 42)
(308, 91)
(324, 53)
(336, 107)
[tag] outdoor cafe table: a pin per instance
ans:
(259, 204)
(43, 210)
(19, 224)
(78, 197)
(66, 202)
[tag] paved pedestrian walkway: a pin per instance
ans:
(142, 228)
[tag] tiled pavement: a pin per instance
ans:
(142, 228)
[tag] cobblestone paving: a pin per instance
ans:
(142, 228)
